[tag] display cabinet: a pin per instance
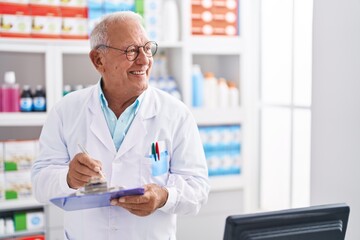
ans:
(55, 63)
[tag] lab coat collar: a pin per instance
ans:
(98, 123)
(148, 109)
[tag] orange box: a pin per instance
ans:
(215, 17)
(15, 20)
(46, 22)
(74, 23)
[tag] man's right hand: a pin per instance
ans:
(81, 168)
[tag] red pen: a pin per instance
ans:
(157, 150)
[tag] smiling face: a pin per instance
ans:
(122, 77)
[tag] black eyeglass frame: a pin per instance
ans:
(137, 48)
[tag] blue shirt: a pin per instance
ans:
(118, 127)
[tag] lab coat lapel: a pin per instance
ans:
(98, 125)
(137, 129)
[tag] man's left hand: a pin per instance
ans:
(153, 198)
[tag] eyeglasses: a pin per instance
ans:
(132, 51)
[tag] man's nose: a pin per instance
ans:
(142, 56)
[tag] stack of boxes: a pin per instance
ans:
(44, 19)
(74, 19)
(17, 158)
(222, 149)
(98, 8)
(215, 17)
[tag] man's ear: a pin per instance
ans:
(96, 59)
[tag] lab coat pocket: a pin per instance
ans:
(161, 165)
(155, 170)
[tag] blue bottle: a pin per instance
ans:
(39, 99)
(197, 87)
(26, 100)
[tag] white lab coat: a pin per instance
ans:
(78, 118)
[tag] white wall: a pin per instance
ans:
(335, 168)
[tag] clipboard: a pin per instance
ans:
(93, 200)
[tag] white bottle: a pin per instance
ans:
(210, 90)
(9, 226)
(2, 226)
(170, 19)
(223, 93)
(197, 80)
(233, 95)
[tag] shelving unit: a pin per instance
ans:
(7, 209)
(57, 63)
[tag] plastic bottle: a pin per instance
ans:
(197, 87)
(173, 87)
(223, 93)
(2, 226)
(233, 95)
(78, 87)
(170, 30)
(10, 93)
(26, 101)
(210, 90)
(9, 226)
(39, 99)
(66, 89)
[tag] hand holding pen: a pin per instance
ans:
(82, 169)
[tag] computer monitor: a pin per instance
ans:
(324, 222)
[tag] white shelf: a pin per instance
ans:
(22, 119)
(22, 234)
(226, 183)
(216, 45)
(216, 116)
(19, 204)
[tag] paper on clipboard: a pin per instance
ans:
(94, 200)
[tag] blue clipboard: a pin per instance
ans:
(93, 200)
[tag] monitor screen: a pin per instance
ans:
(325, 222)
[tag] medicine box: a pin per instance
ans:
(22, 2)
(46, 22)
(16, 20)
(74, 23)
(73, 3)
(119, 5)
(216, 17)
(19, 155)
(48, 3)
(1, 157)
(18, 185)
(29, 220)
(35, 220)
(152, 19)
(2, 187)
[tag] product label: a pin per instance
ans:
(26, 104)
(39, 104)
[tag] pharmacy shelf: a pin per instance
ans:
(15, 204)
(22, 119)
(216, 45)
(226, 183)
(218, 116)
(26, 233)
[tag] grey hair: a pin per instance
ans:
(99, 34)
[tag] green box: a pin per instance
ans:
(10, 166)
(10, 194)
(20, 221)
